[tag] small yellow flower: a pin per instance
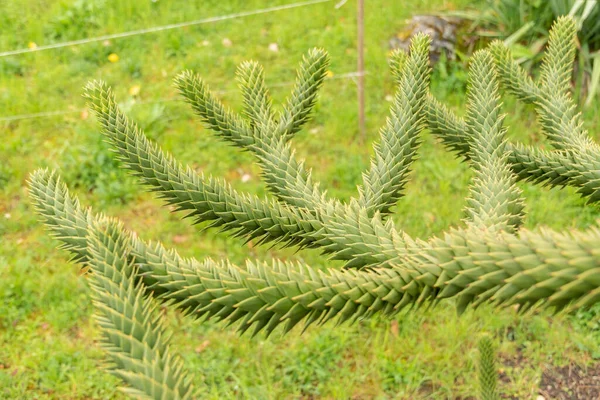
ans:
(134, 90)
(32, 45)
(113, 58)
(329, 74)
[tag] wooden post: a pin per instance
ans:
(361, 69)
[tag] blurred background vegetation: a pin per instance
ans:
(524, 24)
(47, 339)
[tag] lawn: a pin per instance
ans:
(47, 336)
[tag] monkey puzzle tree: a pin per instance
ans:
(489, 259)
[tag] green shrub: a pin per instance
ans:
(490, 259)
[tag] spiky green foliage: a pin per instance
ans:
(495, 201)
(524, 25)
(576, 160)
(489, 259)
(133, 335)
(488, 378)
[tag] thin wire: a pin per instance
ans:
(38, 115)
(45, 114)
(162, 28)
(340, 4)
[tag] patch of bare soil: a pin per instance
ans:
(571, 382)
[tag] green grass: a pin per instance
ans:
(47, 339)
